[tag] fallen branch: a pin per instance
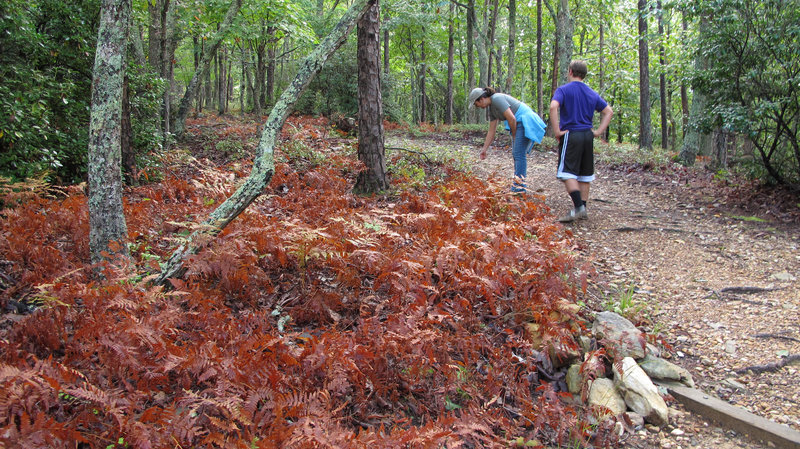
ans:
(783, 337)
(770, 367)
(748, 290)
(410, 151)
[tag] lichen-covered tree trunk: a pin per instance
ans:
(370, 105)
(264, 163)
(179, 127)
(106, 217)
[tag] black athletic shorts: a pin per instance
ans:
(576, 156)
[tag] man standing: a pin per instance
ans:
(571, 111)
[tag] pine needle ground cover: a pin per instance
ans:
(316, 319)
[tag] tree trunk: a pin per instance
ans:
(167, 50)
(448, 112)
(423, 101)
(471, 113)
(222, 87)
(155, 34)
(264, 162)
(512, 42)
(662, 79)
(695, 142)
(565, 27)
(684, 89)
(370, 110)
(385, 52)
(491, 29)
(645, 128)
(126, 149)
(261, 77)
(243, 81)
(106, 216)
(271, 61)
(539, 80)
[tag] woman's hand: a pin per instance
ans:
(483, 154)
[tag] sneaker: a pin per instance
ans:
(574, 214)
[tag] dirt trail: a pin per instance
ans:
(680, 249)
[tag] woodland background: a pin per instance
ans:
(320, 317)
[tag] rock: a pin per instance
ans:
(677, 432)
(730, 346)
(574, 378)
(585, 343)
(635, 420)
(784, 276)
(653, 350)
(619, 335)
(733, 383)
(562, 353)
(639, 392)
(661, 369)
(603, 393)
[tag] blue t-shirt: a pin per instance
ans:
(577, 103)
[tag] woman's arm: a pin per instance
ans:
(512, 122)
(489, 138)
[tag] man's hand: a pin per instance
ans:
(483, 154)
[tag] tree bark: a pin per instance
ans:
(204, 67)
(126, 148)
(167, 51)
(423, 100)
(471, 114)
(106, 216)
(512, 42)
(662, 79)
(222, 87)
(371, 151)
(696, 142)
(448, 112)
(565, 28)
(271, 60)
(539, 80)
(645, 128)
(264, 162)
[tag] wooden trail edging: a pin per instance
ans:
(734, 418)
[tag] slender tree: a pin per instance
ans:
(106, 216)
(645, 127)
(370, 110)
(539, 81)
(448, 112)
(662, 79)
(512, 42)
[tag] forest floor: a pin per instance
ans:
(670, 247)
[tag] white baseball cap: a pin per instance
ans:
(473, 96)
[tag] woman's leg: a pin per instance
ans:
(519, 151)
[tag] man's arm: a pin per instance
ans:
(605, 120)
(554, 105)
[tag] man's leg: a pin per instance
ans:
(584, 188)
